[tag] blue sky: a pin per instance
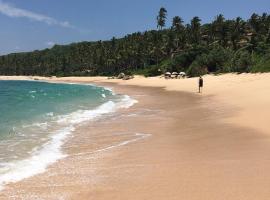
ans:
(37, 24)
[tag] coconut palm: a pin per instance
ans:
(161, 18)
(195, 28)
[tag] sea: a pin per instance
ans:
(37, 118)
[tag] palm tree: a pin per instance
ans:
(254, 22)
(221, 29)
(178, 28)
(177, 23)
(161, 18)
(195, 27)
(237, 31)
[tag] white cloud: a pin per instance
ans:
(50, 43)
(12, 11)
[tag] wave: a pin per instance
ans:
(51, 151)
(86, 115)
(138, 136)
(43, 125)
(38, 162)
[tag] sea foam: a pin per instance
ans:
(51, 152)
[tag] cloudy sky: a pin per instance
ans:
(37, 24)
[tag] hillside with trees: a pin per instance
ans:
(224, 45)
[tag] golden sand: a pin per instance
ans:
(214, 145)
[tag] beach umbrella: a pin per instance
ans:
(174, 75)
(168, 75)
(182, 73)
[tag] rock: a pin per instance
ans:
(121, 76)
(128, 77)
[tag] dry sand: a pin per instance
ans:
(214, 145)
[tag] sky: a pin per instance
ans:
(28, 25)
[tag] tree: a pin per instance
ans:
(177, 24)
(235, 45)
(220, 29)
(241, 61)
(254, 22)
(195, 27)
(237, 31)
(161, 18)
(179, 29)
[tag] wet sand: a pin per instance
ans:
(171, 145)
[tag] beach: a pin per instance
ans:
(173, 144)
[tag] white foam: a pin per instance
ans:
(43, 125)
(86, 115)
(50, 114)
(38, 162)
(139, 136)
(127, 102)
(51, 151)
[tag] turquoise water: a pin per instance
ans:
(25, 102)
(36, 118)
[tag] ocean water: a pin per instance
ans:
(36, 118)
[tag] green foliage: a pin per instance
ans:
(182, 61)
(220, 46)
(177, 24)
(149, 71)
(261, 63)
(195, 69)
(241, 61)
(217, 59)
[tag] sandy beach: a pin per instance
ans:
(173, 144)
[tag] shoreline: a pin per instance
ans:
(39, 160)
(217, 152)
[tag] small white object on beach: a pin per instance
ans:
(168, 75)
(182, 75)
(174, 75)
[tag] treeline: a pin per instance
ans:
(232, 45)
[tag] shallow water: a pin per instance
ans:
(37, 117)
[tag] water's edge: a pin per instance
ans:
(51, 151)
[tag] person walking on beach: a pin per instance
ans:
(200, 84)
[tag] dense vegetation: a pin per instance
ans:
(220, 46)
